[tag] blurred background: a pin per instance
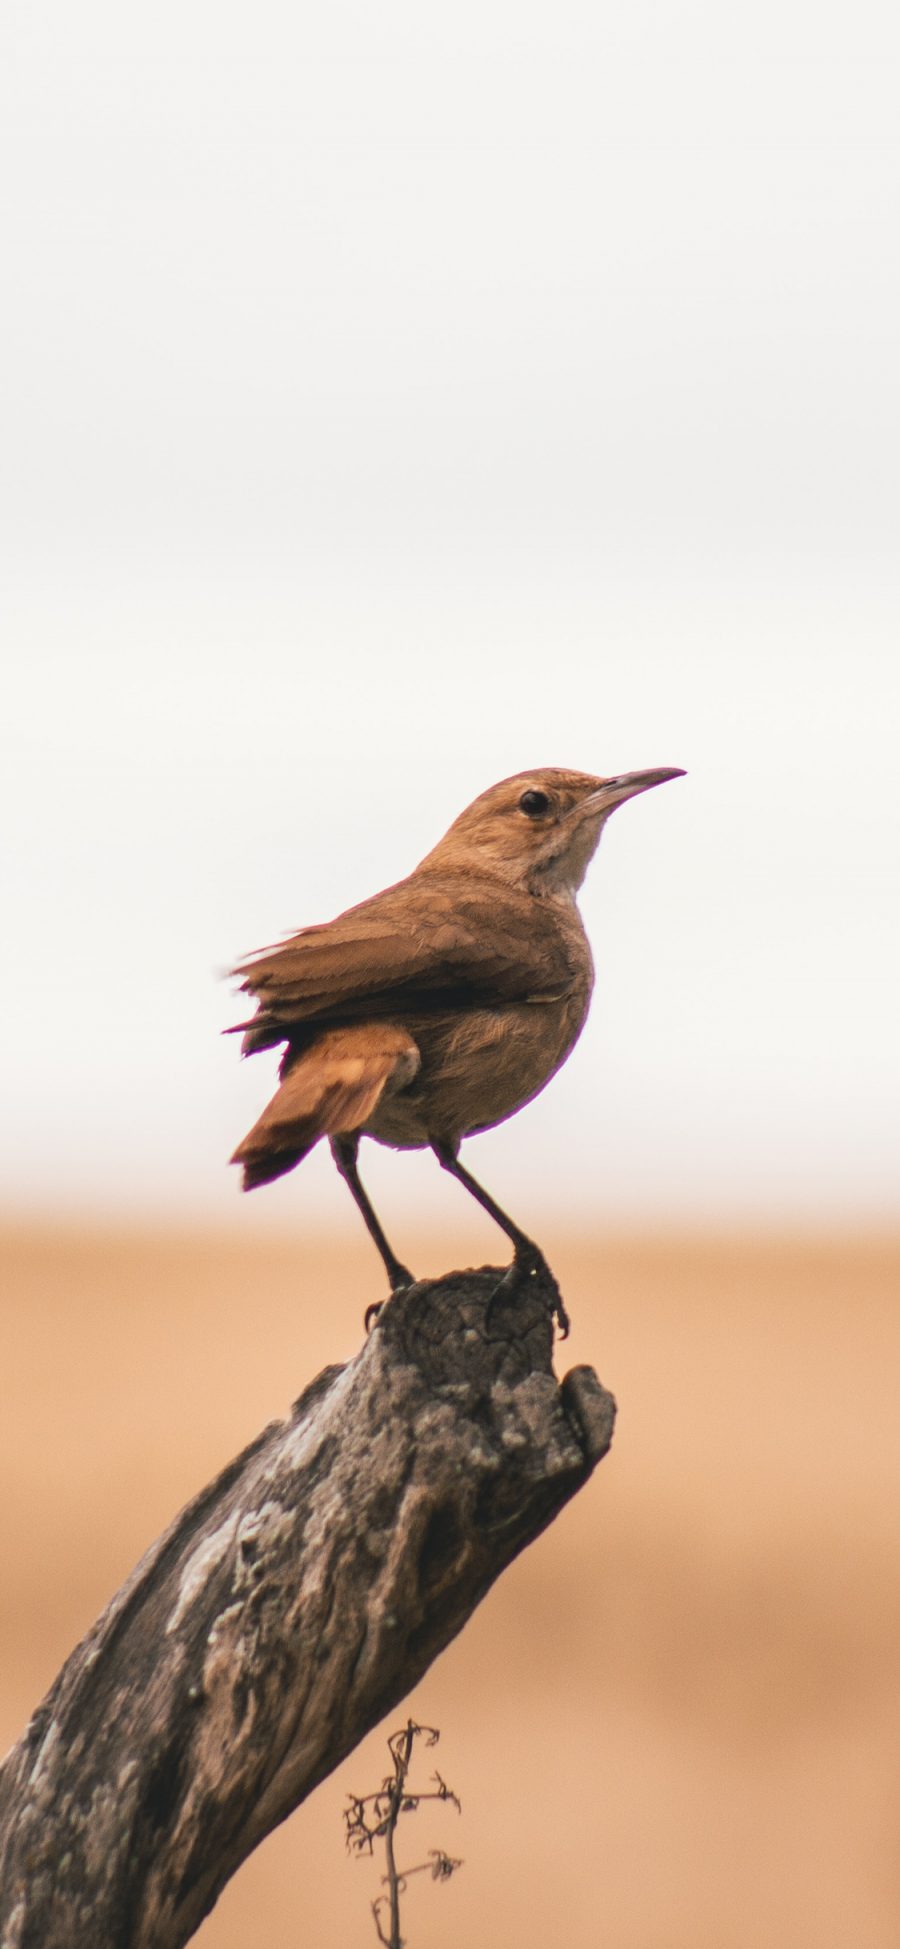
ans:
(394, 399)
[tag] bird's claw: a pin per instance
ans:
(529, 1261)
(401, 1279)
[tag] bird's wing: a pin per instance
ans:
(426, 944)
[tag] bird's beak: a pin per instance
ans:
(614, 791)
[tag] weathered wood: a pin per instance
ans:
(286, 1610)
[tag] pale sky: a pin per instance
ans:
(395, 398)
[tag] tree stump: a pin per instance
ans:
(291, 1605)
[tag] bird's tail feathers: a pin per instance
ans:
(333, 1088)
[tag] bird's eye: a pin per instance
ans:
(534, 804)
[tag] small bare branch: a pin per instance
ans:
(387, 1806)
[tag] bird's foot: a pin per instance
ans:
(401, 1279)
(529, 1263)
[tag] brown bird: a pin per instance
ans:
(442, 1005)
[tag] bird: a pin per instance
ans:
(439, 1007)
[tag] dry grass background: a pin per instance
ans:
(675, 1721)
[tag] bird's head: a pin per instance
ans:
(539, 830)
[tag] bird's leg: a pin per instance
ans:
(344, 1150)
(528, 1257)
(525, 1246)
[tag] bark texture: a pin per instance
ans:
(287, 1609)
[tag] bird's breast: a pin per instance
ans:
(478, 1067)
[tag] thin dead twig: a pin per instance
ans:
(374, 1816)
